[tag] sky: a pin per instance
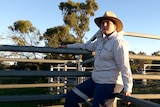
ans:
(140, 16)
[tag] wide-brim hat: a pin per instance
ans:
(110, 16)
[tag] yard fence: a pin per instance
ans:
(78, 72)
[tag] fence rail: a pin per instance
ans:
(42, 85)
(19, 98)
(26, 98)
(13, 73)
(139, 102)
(43, 49)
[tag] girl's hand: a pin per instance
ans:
(127, 94)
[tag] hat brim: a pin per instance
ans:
(117, 21)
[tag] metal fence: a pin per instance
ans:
(135, 99)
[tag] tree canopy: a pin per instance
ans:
(58, 36)
(24, 33)
(23, 26)
(76, 21)
(76, 15)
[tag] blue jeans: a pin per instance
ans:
(102, 94)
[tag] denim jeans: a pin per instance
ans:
(102, 94)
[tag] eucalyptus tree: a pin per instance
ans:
(77, 14)
(23, 33)
(157, 53)
(76, 23)
(132, 62)
(140, 62)
(59, 35)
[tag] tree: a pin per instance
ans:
(24, 26)
(140, 63)
(23, 33)
(76, 15)
(132, 62)
(58, 36)
(76, 19)
(137, 65)
(157, 53)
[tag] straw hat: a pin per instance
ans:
(111, 16)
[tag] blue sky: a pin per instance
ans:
(140, 16)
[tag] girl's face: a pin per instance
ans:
(108, 26)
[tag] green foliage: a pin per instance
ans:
(27, 66)
(24, 26)
(23, 91)
(76, 18)
(3, 66)
(25, 34)
(151, 87)
(157, 53)
(137, 65)
(76, 15)
(58, 36)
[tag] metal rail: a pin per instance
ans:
(21, 98)
(19, 73)
(43, 49)
(136, 101)
(141, 35)
(7, 86)
(36, 60)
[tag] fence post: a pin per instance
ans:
(58, 79)
(50, 79)
(78, 69)
(115, 102)
(82, 79)
(144, 81)
(65, 80)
